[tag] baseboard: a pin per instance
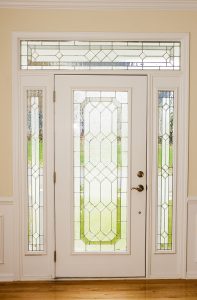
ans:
(7, 277)
(11, 277)
(191, 275)
(36, 278)
(166, 276)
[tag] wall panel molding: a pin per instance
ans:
(1, 239)
(102, 4)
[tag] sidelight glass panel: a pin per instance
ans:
(110, 55)
(35, 165)
(164, 238)
(100, 170)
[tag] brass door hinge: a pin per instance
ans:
(55, 256)
(54, 177)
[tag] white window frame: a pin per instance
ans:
(171, 84)
(46, 77)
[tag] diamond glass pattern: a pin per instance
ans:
(100, 170)
(123, 55)
(164, 238)
(35, 170)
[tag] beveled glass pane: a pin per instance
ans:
(100, 178)
(164, 237)
(75, 55)
(35, 170)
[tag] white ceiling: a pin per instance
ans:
(102, 4)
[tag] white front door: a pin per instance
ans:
(100, 149)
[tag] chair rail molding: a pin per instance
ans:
(6, 200)
(192, 198)
(102, 4)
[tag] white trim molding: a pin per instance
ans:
(102, 4)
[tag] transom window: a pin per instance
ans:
(110, 55)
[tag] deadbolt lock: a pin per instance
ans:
(140, 174)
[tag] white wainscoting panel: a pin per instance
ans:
(8, 249)
(192, 238)
(1, 239)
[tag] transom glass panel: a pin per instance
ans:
(110, 55)
(35, 170)
(164, 238)
(100, 170)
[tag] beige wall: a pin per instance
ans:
(128, 21)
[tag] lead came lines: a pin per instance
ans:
(79, 55)
(101, 224)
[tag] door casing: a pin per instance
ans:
(45, 78)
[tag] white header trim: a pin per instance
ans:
(102, 4)
(102, 36)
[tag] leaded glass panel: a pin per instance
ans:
(164, 238)
(100, 170)
(123, 55)
(35, 166)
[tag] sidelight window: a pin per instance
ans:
(35, 167)
(165, 170)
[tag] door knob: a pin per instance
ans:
(139, 188)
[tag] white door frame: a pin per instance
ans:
(47, 79)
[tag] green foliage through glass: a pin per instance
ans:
(100, 170)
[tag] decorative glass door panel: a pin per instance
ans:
(100, 146)
(100, 170)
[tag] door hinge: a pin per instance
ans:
(54, 96)
(54, 177)
(55, 256)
